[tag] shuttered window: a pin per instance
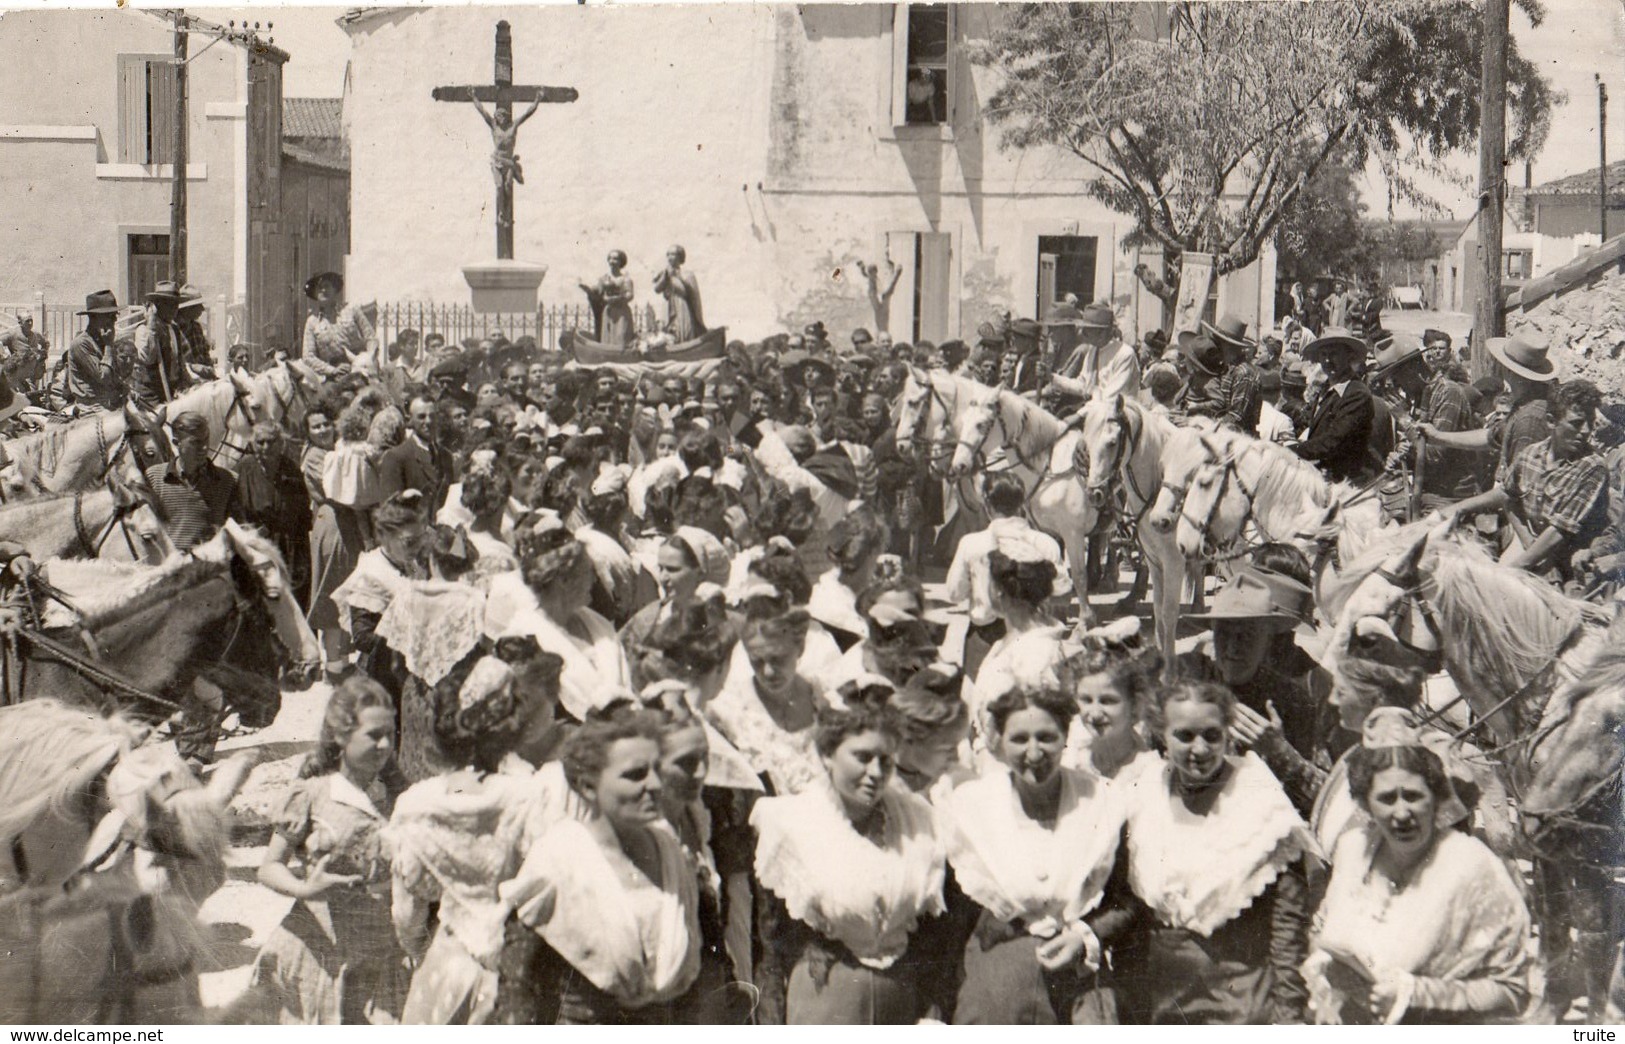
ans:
(146, 98)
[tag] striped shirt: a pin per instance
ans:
(1567, 494)
(194, 506)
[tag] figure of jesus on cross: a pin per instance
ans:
(502, 93)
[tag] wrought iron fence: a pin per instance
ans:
(459, 322)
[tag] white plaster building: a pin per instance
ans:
(777, 143)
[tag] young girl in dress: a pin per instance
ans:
(334, 959)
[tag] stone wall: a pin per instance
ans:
(1584, 326)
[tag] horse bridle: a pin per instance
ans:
(917, 437)
(1402, 617)
(236, 406)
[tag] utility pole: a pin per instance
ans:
(177, 184)
(1491, 180)
(1602, 156)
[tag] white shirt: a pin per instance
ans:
(1273, 425)
(969, 579)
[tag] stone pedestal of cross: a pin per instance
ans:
(503, 285)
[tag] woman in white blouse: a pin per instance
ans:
(615, 897)
(547, 599)
(1033, 844)
(851, 867)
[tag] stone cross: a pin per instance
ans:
(501, 94)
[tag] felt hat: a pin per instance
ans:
(102, 302)
(1200, 351)
(1396, 355)
(1261, 594)
(451, 366)
(1097, 317)
(191, 297)
(1025, 330)
(1292, 376)
(1335, 338)
(168, 290)
(1228, 332)
(1522, 358)
(1063, 314)
(316, 281)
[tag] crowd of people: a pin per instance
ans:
(641, 712)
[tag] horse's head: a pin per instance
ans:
(1183, 452)
(1106, 443)
(1577, 766)
(1383, 618)
(922, 419)
(271, 589)
(1217, 503)
(973, 428)
(145, 538)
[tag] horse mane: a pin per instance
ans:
(50, 751)
(1285, 483)
(1033, 421)
(107, 593)
(1506, 622)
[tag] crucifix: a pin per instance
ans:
(501, 94)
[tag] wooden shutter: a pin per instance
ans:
(936, 266)
(899, 65)
(903, 248)
(161, 110)
(1046, 283)
(132, 108)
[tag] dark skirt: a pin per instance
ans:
(1004, 985)
(828, 987)
(1187, 979)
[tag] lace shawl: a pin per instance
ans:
(1015, 868)
(1199, 871)
(865, 896)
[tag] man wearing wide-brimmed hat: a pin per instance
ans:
(189, 317)
(87, 365)
(1529, 375)
(1263, 626)
(160, 350)
(1022, 361)
(1201, 363)
(1101, 365)
(1338, 437)
(1237, 390)
(1448, 474)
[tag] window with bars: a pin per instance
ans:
(146, 98)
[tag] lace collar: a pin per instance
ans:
(866, 896)
(1014, 867)
(1199, 871)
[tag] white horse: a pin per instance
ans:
(995, 428)
(1519, 652)
(75, 456)
(1218, 483)
(120, 522)
(1128, 445)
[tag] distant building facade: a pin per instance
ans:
(779, 144)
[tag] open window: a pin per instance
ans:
(923, 56)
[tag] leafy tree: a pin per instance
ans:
(1206, 121)
(1323, 231)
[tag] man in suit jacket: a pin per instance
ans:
(1339, 432)
(419, 462)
